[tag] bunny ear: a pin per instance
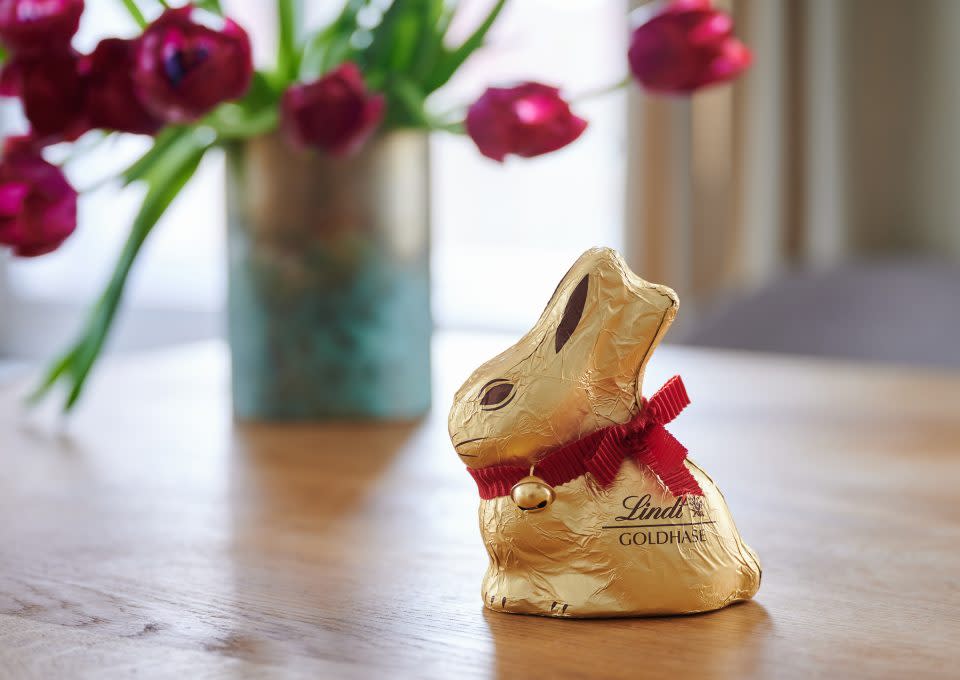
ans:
(626, 316)
(572, 313)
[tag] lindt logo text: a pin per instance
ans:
(640, 509)
(657, 532)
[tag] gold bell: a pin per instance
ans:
(532, 494)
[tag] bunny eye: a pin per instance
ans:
(496, 394)
(572, 313)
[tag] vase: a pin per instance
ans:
(328, 278)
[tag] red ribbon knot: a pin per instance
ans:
(602, 453)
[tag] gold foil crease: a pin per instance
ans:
(631, 549)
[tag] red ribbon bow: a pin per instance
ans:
(649, 442)
(602, 453)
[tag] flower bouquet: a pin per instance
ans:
(332, 96)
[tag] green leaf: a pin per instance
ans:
(232, 123)
(289, 20)
(330, 46)
(394, 39)
(430, 46)
(167, 138)
(445, 16)
(209, 5)
(75, 364)
(157, 164)
(135, 13)
(260, 94)
(54, 372)
(255, 114)
(406, 105)
(403, 55)
(406, 33)
(450, 61)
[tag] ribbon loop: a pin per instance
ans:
(602, 453)
(664, 455)
(668, 401)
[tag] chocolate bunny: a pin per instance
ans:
(589, 507)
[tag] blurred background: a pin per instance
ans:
(809, 208)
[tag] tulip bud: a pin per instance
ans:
(184, 68)
(527, 120)
(112, 101)
(38, 25)
(53, 91)
(686, 46)
(335, 113)
(38, 207)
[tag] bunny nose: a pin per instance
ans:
(496, 394)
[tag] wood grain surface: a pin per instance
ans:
(151, 536)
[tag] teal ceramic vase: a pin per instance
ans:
(329, 289)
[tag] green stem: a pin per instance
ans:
(209, 5)
(76, 363)
(454, 60)
(288, 20)
(135, 13)
(601, 91)
(164, 141)
(456, 127)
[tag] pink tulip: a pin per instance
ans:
(53, 92)
(184, 68)
(687, 46)
(38, 207)
(527, 120)
(112, 102)
(38, 25)
(335, 113)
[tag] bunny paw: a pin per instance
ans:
(493, 601)
(499, 602)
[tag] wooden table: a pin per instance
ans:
(151, 535)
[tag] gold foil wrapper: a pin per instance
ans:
(628, 549)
